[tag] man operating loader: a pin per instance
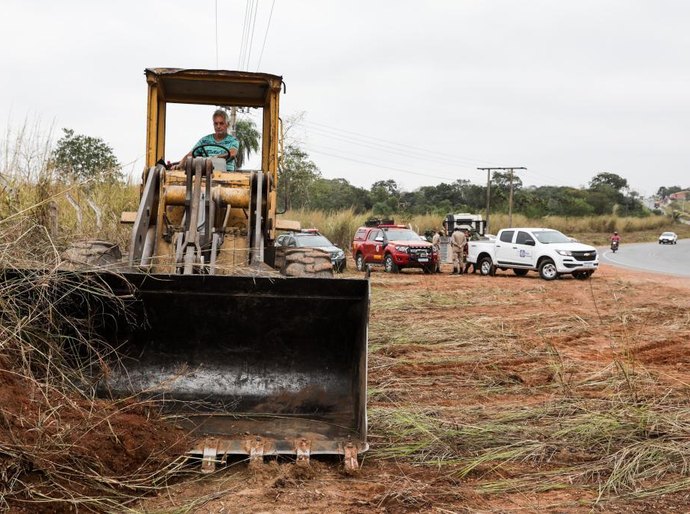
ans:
(220, 143)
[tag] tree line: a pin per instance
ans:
(302, 186)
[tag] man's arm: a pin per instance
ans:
(189, 154)
(234, 147)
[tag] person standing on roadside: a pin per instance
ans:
(436, 242)
(466, 253)
(457, 243)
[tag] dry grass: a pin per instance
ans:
(616, 430)
(339, 227)
(58, 443)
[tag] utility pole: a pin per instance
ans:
(510, 201)
(488, 192)
(233, 120)
(488, 195)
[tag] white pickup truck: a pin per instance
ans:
(545, 250)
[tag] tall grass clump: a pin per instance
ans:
(578, 225)
(623, 448)
(34, 192)
(60, 446)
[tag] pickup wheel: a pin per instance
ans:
(486, 267)
(547, 270)
(428, 269)
(520, 272)
(389, 264)
(359, 262)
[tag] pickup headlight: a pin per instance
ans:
(564, 252)
(403, 249)
(339, 254)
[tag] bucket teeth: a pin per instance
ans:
(302, 451)
(351, 463)
(256, 451)
(208, 460)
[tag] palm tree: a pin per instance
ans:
(248, 136)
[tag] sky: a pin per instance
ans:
(418, 92)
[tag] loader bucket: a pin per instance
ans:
(258, 365)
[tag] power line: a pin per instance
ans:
(251, 34)
(245, 28)
(376, 165)
(470, 160)
(426, 155)
(548, 177)
(394, 147)
(268, 25)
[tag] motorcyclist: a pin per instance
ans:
(615, 240)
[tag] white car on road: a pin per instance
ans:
(668, 238)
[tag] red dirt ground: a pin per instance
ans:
(643, 317)
(618, 312)
(44, 433)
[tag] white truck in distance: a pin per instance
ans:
(545, 250)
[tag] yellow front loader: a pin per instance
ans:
(253, 362)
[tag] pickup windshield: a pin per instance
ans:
(551, 236)
(402, 234)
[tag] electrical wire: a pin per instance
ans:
(395, 148)
(268, 25)
(549, 178)
(245, 26)
(216, 3)
(251, 35)
(426, 155)
(313, 149)
(357, 135)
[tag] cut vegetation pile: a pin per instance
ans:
(61, 449)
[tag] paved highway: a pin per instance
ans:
(669, 259)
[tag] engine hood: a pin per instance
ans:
(418, 244)
(573, 247)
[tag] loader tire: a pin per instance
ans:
(307, 262)
(91, 253)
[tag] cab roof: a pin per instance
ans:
(213, 87)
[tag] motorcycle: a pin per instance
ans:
(614, 246)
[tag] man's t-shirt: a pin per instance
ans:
(229, 142)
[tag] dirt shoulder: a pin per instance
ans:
(501, 394)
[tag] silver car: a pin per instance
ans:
(313, 239)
